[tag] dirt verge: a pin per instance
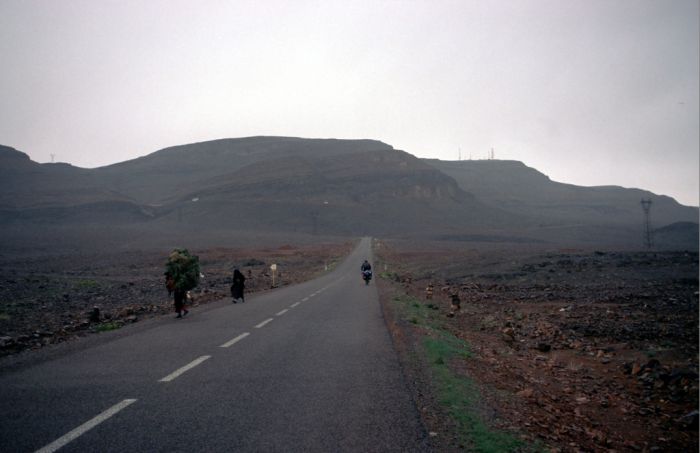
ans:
(574, 350)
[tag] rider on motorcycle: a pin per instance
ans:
(366, 269)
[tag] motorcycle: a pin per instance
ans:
(367, 276)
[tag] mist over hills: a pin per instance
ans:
(278, 185)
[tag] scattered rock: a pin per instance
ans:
(689, 420)
(508, 334)
(95, 315)
(526, 393)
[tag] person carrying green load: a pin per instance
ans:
(181, 275)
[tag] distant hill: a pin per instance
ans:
(522, 190)
(272, 185)
(347, 187)
(174, 172)
(58, 192)
(677, 235)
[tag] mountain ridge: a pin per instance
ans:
(346, 187)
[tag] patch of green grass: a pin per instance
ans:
(107, 326)
(387, 275)
(87, 284)
(447, 346)
(456, 393)
(414, 311)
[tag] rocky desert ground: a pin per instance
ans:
(52, 299)
(571, 350)
(549, 349)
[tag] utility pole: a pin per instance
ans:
(53, 156)
(460, 153)
(648, 232)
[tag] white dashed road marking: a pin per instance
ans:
(263, 323)
(82, 429)
(85, 427)
(187, 367)
(235, 340)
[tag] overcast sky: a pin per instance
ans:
(589, 92)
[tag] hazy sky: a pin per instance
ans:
(589, 92)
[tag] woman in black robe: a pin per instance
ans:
(238, 286)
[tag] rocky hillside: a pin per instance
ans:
(561, 207)
(347, 187)
(337, 187)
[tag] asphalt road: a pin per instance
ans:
(304, 368)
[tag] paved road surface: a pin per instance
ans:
(304, 368)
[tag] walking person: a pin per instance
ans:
(179, 295)
(180, 298)
(238, 286)
(181, 275)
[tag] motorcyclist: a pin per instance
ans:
(366, 269)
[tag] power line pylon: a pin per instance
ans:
(648, 232)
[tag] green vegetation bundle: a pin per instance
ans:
(183, 268)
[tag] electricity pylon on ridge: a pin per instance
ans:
(648, 232)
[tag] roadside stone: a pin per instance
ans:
(508, 335)
(95, 315)
(636, 369)
(689, 420)
(526, 393)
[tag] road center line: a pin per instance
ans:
(295, 304)
(235, 340)
(187, 367)
(85, 427)
(263, 323)
(305, 299)
(282, 312)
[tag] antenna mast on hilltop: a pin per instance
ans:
(648, 232)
